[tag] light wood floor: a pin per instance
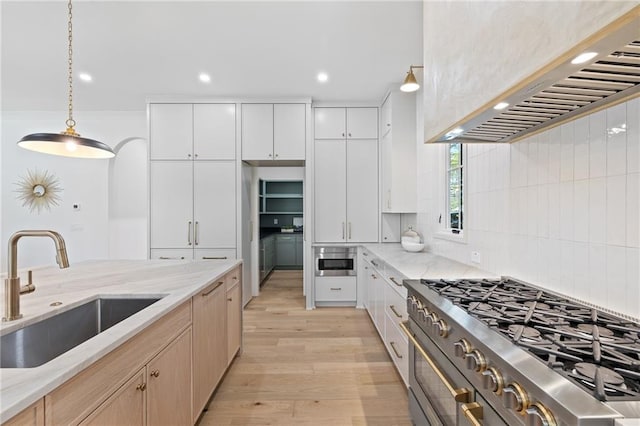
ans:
(322, 367)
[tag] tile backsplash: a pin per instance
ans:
(559, 209)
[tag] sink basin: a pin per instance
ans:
(43, 341)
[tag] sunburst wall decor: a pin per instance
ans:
(39, 190)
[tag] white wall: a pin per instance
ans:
(559, 209)
(86, 232)
(476, 50)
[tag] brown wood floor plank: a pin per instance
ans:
(298, 367)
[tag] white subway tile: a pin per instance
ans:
(555, 143)
(633, 210)
(555, 265)
(581, 210)
(597, 210)
(633, 136)
(566, 210)
(554, 211)
(532, 209)
(543, 211)
(581, 149)
(581, 270)
(566, 152)
(617, 140)
(633, 282)
(543, 260)
(616, 210)
(543, 158)
(566, 267)
(616, 278)
(597, 144)
(598, 274)
(532, 161)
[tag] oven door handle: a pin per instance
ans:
(460, 394)
(473, 412)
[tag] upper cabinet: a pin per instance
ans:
(398, 153)
(274, 131)
(346, 123)
(192, 131)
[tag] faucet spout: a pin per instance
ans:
(12, 282)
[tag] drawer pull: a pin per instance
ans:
(213, 289)
(336, 288)
(169, 258)
(393, 346)
(393, 309)
(155, 373)
(374, 277)
(393, 280)
(214, 257)
(374, 263)
(141, 387)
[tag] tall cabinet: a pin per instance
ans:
(192, 174)
(346, 174)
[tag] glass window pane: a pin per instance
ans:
(454, 155)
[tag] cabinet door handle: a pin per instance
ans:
(188, 155)
(276, 155)
(349, 134)
(214, 257)
(189, 233)
(342, 134)
(196, 232)
(336, 288)
(389, 199)
(343, 230)
(349, 230)
(141, 387)
(393, 346)
(374, 277)
(374, 263)
(218, 284)
(230, 299)
(168, 258)
(155, 373)
(393, 280)
(393, 309)
(270, 155)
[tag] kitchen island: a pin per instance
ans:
(176, 283)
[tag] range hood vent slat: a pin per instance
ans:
(564, 92)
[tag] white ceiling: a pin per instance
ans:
(138, 49)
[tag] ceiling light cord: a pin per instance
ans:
(70, 121)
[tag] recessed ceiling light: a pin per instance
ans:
(323, 77)
(584, 57)
(204, 77)
(85, 76)
(501, 105)
(453, 133)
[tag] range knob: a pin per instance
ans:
(431, 319)
(476, 361)
(441, 328)
(539, 415)
(493, 380)
(424, 313)
(515, 398)
(461, 348)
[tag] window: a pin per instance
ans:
(455, 217)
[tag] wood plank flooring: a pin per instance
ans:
(322, 367)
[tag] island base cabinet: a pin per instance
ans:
(169, 384)
(234, 319)
(125, 407)
(32, 416)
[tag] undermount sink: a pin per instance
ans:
(45, 340)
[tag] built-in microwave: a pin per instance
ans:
(335, 261)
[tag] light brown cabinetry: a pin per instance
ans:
(31, 416)
(125, 407)
(234, 318)
(209, 343)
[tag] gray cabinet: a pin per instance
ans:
(286, 250)
(299, 251)
(267, 259)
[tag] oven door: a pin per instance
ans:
(436, 383)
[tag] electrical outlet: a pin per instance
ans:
(475, 256)
(76, 207)
(275, 221)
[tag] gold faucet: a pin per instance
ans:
(12, 288)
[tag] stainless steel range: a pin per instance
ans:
(503, 352)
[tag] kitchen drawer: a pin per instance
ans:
(232, 278)
(214, 254)
(335, 289)
(395, 278)
(394, 305)
(398, 347)
(172, 254)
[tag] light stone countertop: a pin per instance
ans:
(175, 281)
(423, 264)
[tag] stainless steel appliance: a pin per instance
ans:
(335, 261)
(504, 352)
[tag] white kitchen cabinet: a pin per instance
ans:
(273, 131)
(398, 153)
(335, 289)
(192, 207)
(346, 123)
(346, 190)
(192, 131)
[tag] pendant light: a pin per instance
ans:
(67, 143)
(410, 83)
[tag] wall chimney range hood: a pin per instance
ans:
(562, 90)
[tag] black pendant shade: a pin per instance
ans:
(66, 145)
